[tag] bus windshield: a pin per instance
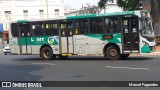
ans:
(147, 29)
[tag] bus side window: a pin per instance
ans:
(70, 28)
(96, 26)
(37, 29)
(81, 27)
(63, 29)
(51, 29)
(111, 25)
(14, 30)
(76, 29)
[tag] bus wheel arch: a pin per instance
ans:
(46, 52)
(109, 48)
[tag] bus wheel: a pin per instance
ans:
(113, 53)
(47, 53)
(123, 56)
(60, 56)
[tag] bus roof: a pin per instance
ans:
(35, 20)
(82, 16)
(98, 15)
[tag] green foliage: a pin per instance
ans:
(127, 5)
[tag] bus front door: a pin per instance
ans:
(130, 34)
(25, 39)
(66, 37)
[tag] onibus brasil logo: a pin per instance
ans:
(51, 40)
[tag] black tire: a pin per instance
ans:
(60, 56)
(124, 56)
(47, 53)
(113, 53)
(5, 53)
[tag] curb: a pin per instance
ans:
(145, 54)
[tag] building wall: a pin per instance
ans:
(12, 10)
(32, 7)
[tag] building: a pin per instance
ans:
(92, 9)
(111, 7)
(68, 9)
(12, 10)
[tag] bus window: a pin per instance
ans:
(63, 30)
(70, 29)
(38, 29)
(14, 30)
(81, 27)
(51, 29)
(96, 26)
(111, 25)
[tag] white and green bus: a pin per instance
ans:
(113, 35)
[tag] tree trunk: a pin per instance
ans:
(155, 13)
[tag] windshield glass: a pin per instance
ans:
(147, 29)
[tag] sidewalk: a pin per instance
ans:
(145, 54)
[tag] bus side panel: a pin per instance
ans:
(87, 45)
(36, 49)
(94, 44)
(14, 46)
(64, 44)
(38, 42)
(78, 44)
(70, 44)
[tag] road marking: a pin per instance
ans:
(128, 68)
(43, 64)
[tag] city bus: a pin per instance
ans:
(112, 35)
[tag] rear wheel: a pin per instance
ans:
(123, 56)
(47, 53)
(113, 53)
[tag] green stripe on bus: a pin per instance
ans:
(22, 21)
(145, 49)
(116, 37)
(98, 15)
(41, 40)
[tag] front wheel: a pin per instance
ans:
(113, 53)
(47, 53)
(123, 56)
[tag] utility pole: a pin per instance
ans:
(47, 8)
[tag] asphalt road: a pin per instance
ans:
(79, 68)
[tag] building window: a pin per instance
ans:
(56, 12)
(25, 12)
(41, 13)
(8, 15)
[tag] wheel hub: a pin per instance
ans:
(113, 52)
(47, 53)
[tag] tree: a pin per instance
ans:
(155, 13)
(89, 10)
(125, 4)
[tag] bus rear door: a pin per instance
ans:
(25, 39)
(66, 29)
(130, 35)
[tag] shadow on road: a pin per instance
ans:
(84, 58)
(18, 73)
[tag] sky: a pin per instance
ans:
(77, 4)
